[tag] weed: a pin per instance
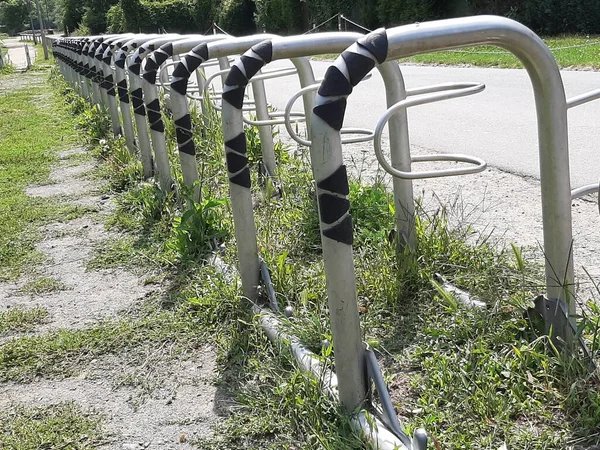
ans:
(199, 228)
(63, 425)
(42, 285)
(18, 319)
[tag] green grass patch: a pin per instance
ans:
(32, 131)
(59, 426)
(18, 319)
(42, 285)
(569, 52)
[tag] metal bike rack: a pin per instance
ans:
(111, 84)
(161, 159)
(381, 46)
(179, 89)
(153, 62)
(104, 54)
(350, 355)
(143, 139)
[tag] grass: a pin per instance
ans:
(18, 319)
(472, 378)
(580, 52)
(32, 132)
(42, 285)
(59, 426)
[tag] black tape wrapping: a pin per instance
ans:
(122, 89)
(154, 116)
(150, 76)
(235, 77)
(201, 50)
(264, 50)
(376, 43)
(183, 131)
(110, 85)
(342, 232)
(138, 103)
(235, 162)
(334, 83)
(336, 182)
(135, 68)
(188, 148)
(332, 113)
(251, 66)
(180, 77)
(242, 178)
(358, 66)
(183, 128)
(237, 144)
(235, 97)
(332, 208)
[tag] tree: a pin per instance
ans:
(14, 16)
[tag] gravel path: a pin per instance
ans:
(157, 399)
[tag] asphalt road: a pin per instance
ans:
(498, 125)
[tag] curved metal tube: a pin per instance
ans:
(551, 110)
(452, 90)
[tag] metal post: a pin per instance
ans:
(42, 31)
(27, 57)
(339, 265)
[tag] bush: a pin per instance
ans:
(237, 17)
(115, 19)
(279, 16)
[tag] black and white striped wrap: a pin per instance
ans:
(181, 74)
(137, 97)
(138, 102)
(155, 60)
(234, 88)
(348, 70)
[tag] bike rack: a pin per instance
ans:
(381, 46)
(104, 54)
(163, 169)
(178, 91)
(356, 365)
(350, 354)
(143, 139)
(168, 48)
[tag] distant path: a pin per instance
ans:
(16, 52)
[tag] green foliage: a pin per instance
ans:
(14, 16)
(95, 122)
(172, 15)
(58, 426)
(199, 228)
(237, 17)
(32, 131)
(17, 319)
(279, 16)
(132, 15)
(115, 19)
(73, 11)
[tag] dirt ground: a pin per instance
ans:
(175, 399)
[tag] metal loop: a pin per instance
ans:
(441, 92)
(585, 190)
(367, 134)
(583, 98)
